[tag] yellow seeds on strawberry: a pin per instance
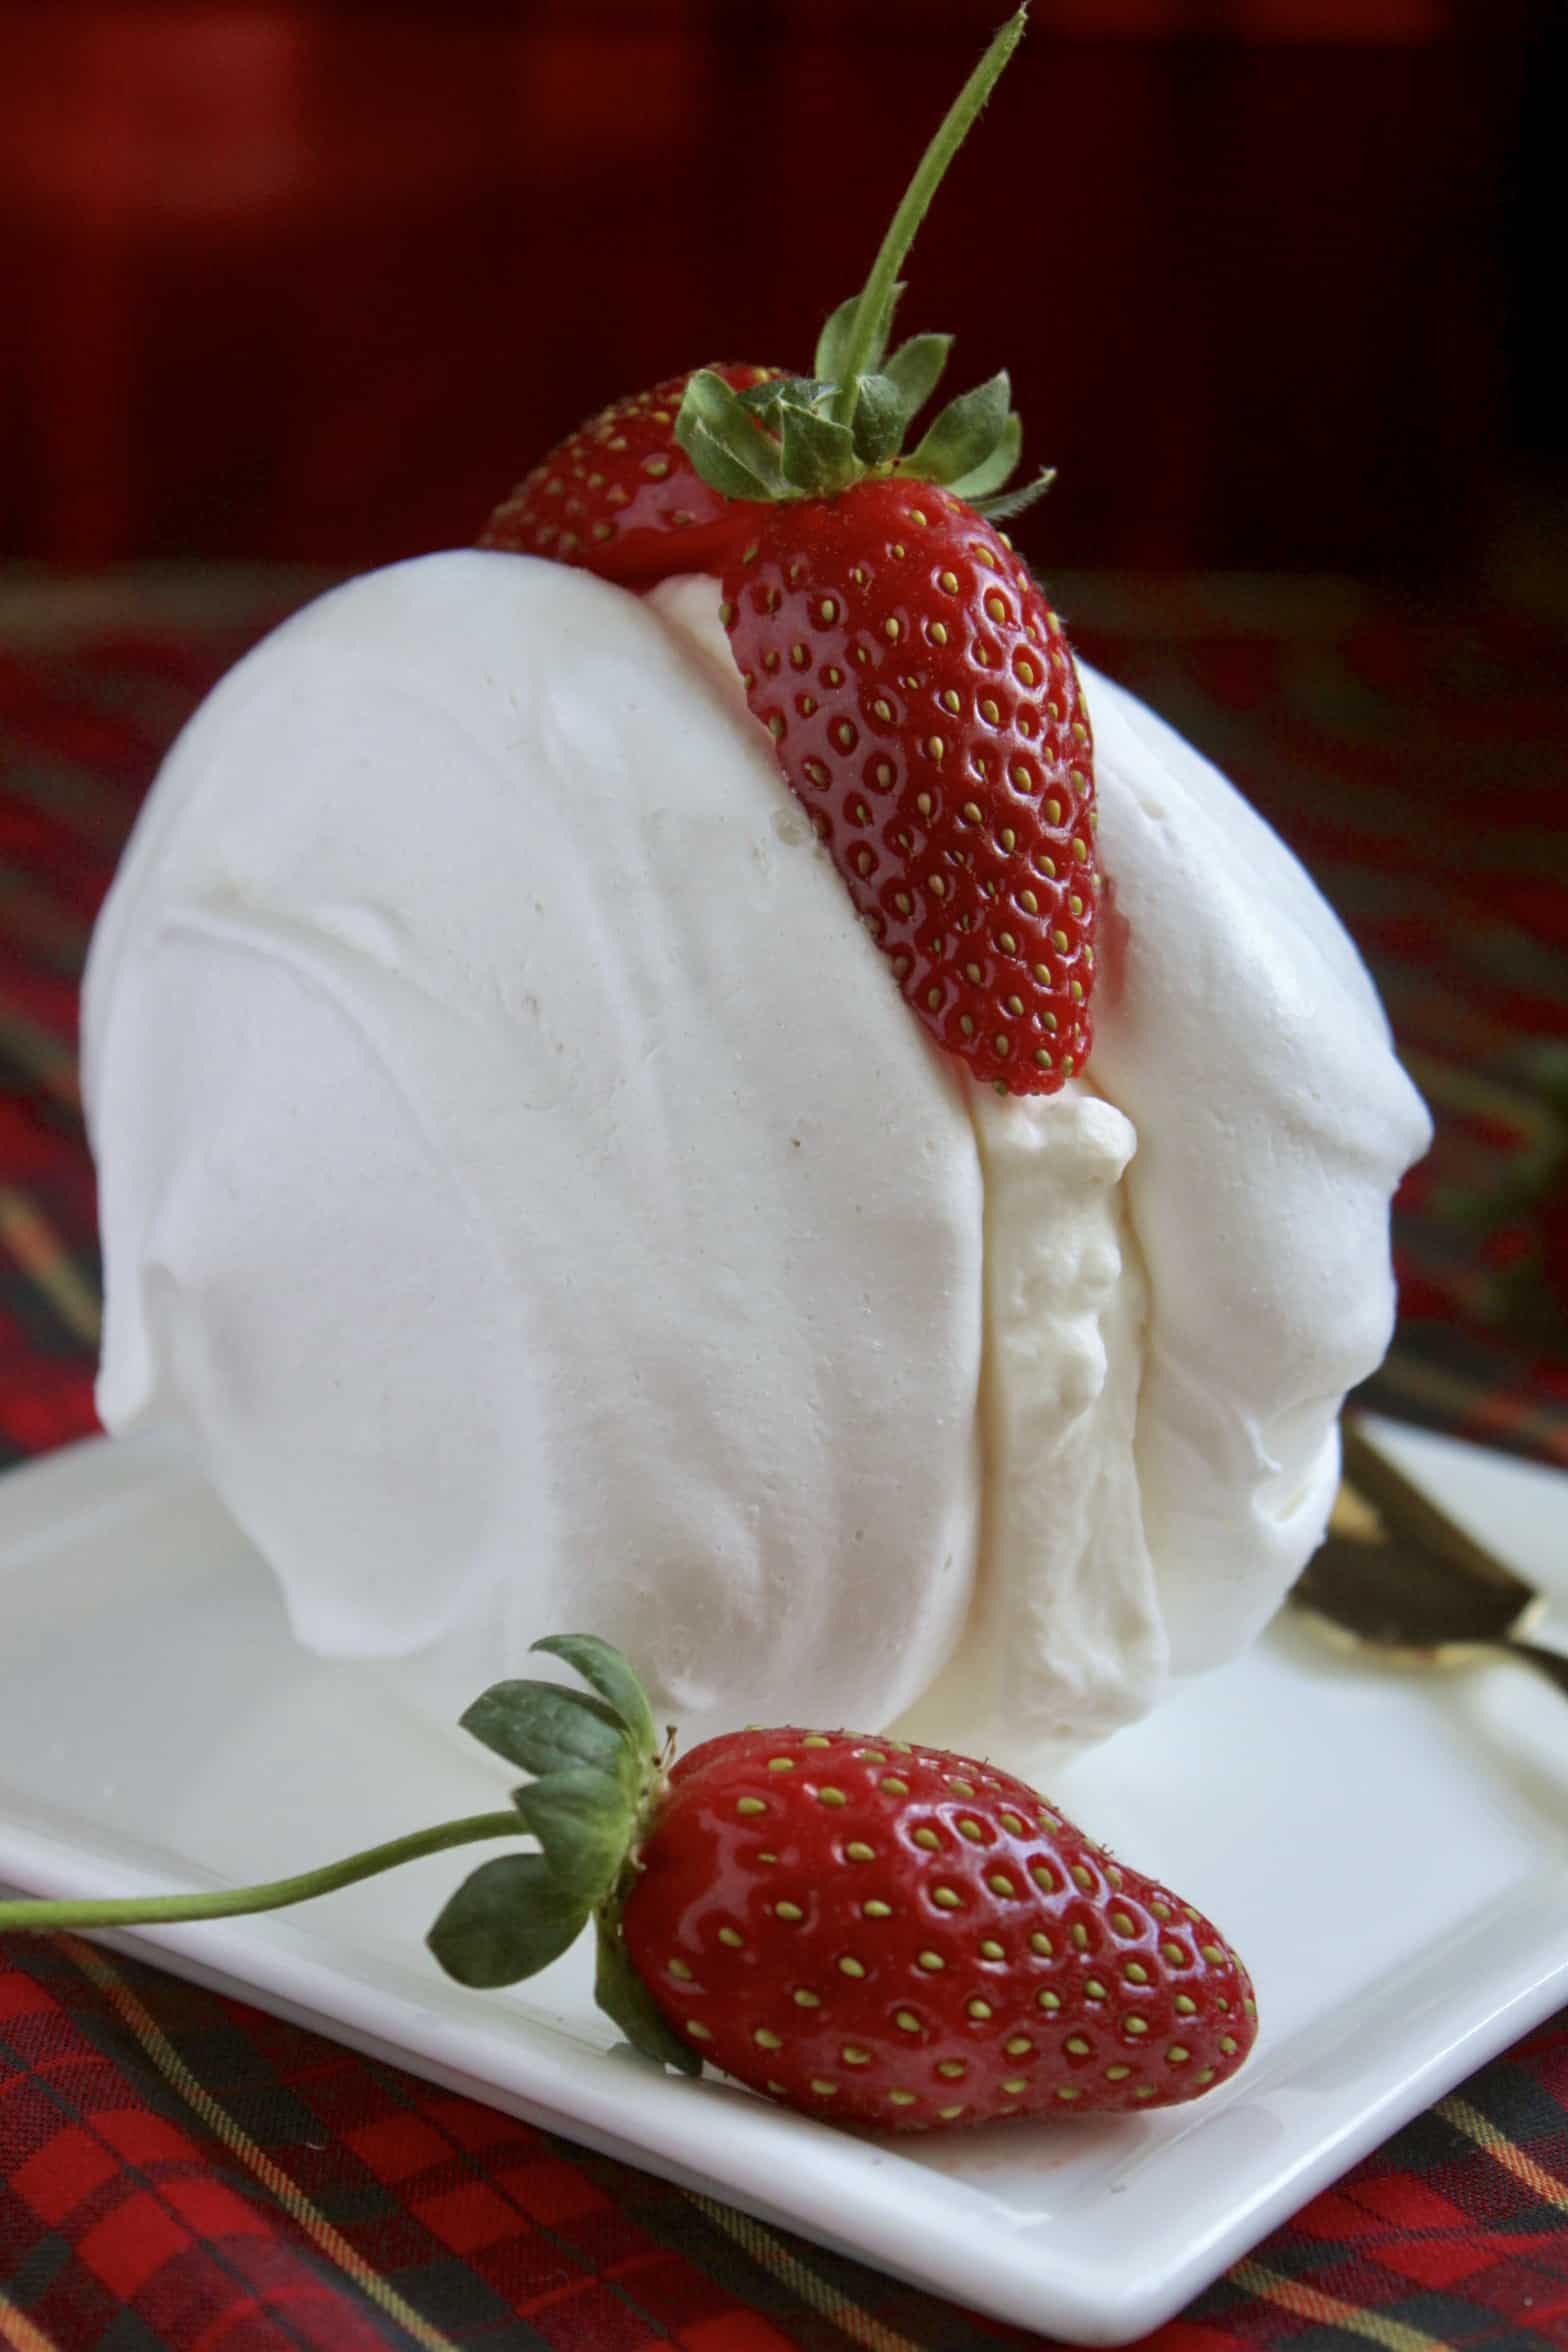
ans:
(960, 841)
(910, 674)
(961, 1946)
(620, 497)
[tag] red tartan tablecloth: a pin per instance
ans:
(179, 2171)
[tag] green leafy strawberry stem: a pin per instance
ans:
(872, 309)
(598, 1776)
(814, 436)
(273, 1895)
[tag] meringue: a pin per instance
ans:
(524, 1188)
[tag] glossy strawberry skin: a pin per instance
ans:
(894, 1935)
(926, 710)
(620, 497)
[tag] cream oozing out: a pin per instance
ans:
(525, 1188)
(1186, 1262)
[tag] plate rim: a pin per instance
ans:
(1032, 2275)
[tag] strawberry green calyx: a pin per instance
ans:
(815, 436)
(599, 1777)
(782, 1906)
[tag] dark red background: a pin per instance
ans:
(318, 280)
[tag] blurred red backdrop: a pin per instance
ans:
(318, 281)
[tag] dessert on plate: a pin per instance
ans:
(566, 1158)
(524, 1185)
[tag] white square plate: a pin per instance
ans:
(1389, 1850)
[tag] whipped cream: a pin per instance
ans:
(523, 1185)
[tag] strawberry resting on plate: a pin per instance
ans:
(866, 1929)
(870, 1931)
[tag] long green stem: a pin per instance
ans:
(276, 1895)
(878, 289)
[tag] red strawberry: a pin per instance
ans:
(897, 1935)
(917, 686)
(864, 1929)
(620, 496)
(927, 712)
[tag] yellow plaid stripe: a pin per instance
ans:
(1504, 2151)
(39, 1251)
(1294, 2295)
(771, 2254)
(221, 2124)
(17, 2330)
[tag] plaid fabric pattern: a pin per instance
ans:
(1415, 765)
(179, 2171)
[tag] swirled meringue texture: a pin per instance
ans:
(524, 1188)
